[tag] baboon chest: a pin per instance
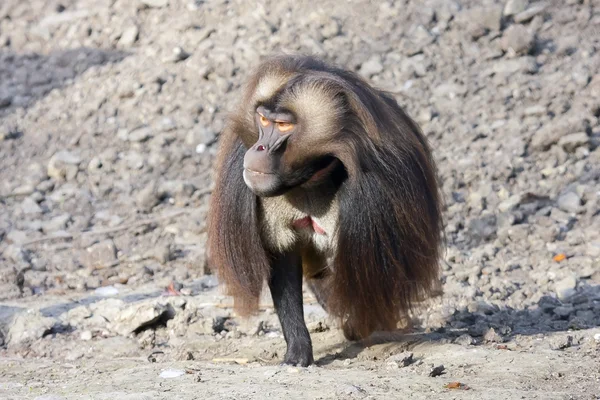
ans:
(299, 222)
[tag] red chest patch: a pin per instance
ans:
(308, 222)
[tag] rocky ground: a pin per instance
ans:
(110, 113)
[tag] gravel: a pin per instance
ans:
(110, 115)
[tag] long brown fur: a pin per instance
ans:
(388, 234)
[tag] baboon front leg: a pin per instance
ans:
(286, 290)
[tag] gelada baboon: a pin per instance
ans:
(321, 176)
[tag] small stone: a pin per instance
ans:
(30, 207)
(178, 54)
(163, 254)
(545, 137)
(403, 359)
(511, 203)
(491, 336)
(464, 340)
(564, 311)
(317, 326)
(155, 3)
(481, 307)
(529, 13)
(16, 254)
(513, 7)
(536, 110)
(37, 197)
(57, 223)
(5, 101)
(372, 66)
(525, 64)
(23, 190)
(172, 373)
(141, 316)
(148, 197)
(436, 371)
(569, 202)
(86, 335)
(27, 327)
(517, 39)
(168, 124)
(63, 165)
(129, 36)
(426, 115)
(571, 142)
(100, 255)
(140, 134)
(483, 229)
(565, 289)
(331, 29)
(106, 291)
(16, 236)
(201, 148)
(483, 19)
(45, 186)
(450, 90)
(597, 337)
(561, 342)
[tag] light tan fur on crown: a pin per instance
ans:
(268, 84)
(315, 104)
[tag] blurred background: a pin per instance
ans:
(110, 114)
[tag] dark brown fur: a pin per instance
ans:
(389, 232)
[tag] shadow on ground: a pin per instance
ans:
(487, 324)
(26, 78)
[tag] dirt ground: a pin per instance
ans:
(110, 114)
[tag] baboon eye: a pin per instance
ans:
(264, 121)
(285, 126)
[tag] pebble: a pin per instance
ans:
(86, 335)
(129, 36)
(30, 207)
(569, 202)
(28, 326)
(23, 190)
(564, 311)
(162, 253)
(106, 291)
(372, 66)
(464, 340)
(5, 101)
(172, 373)
(100, 255)
(528, 14)
(491, 336)
(517, 39)
(57, 223)
(403, 359)
(178, 54)
(561, 342)
(148, 197)
(513, 7)
(140, 134)
(571, 142)
(63, 165)
(201, 148)
(437, 371)
(155, 3)
(566, 288)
